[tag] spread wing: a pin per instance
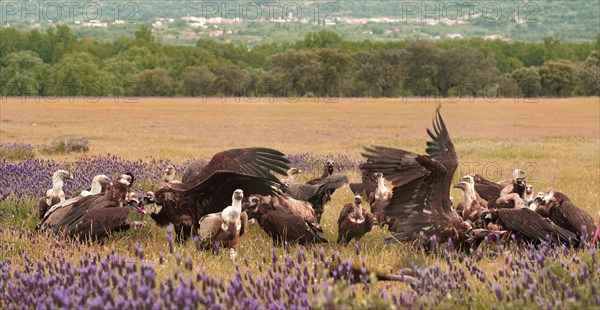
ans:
(253, 161)
(214, 194)
(416, 179)
(441, 148)
(532, 225)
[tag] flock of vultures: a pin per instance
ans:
(216, 201)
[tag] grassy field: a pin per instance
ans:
(557, 141)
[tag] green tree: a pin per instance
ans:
(557, 78)
(422, 64)
(230, 80)
(25, 74)
(465, 68)
(297, 72)
(77, 74)
(333, 66)
(588, 73)
(153, 82)
(529, 81)
(197, 81)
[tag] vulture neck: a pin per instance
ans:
(96, 188)
(233, 212)
(57, 185)
(357, 215)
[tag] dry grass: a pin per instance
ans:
(556, 140)
(183, 128)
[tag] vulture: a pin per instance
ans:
(563, 212)
(301, 208)
(420, 200)
(193, 169)
(472, 207)
(225, 228)
(283, 225)
(55, 194)
(354, 221)
(169, 176)
(319, 194)
(378, 210)
(381, 192)
(529, 225)
(100, 184)
(290, 176)
(327, 171)
(96, 216)
(367, 185)
(503, 194)
(207, 187)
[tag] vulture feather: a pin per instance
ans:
(327, 171)
(282, 225)
(563, 212)
(420, 200)
(367, 185)
(317, 195)
(530, 225)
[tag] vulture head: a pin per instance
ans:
(169, 174)
(518, 173)
(127, 178)
(461, 185)
(61, 175)
(100, 184)
(329, 166)
(293, 171)
(357, 200)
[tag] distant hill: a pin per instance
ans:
(260, 21)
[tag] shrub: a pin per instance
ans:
(65, 145)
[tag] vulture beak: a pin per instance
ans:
(461, 185)
(253, 203)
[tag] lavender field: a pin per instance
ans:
(146, 269)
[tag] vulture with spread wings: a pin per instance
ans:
(421, 194)
(207, 188)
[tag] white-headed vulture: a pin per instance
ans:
(225, 228)
(55, 194)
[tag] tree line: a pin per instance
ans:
(58, 63)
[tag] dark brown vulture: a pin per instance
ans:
(378, 210)
(55, 194)
(354, 222)
(327, 171)
(488, 190)
(319, 194)
(421, 195)
(529, 225)
(472, 206)
(284, 226)
(96, 216)
(367, 185)
(224, 229)
(100, 184)
(563, 212)
(285, 203)
(208, 190)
